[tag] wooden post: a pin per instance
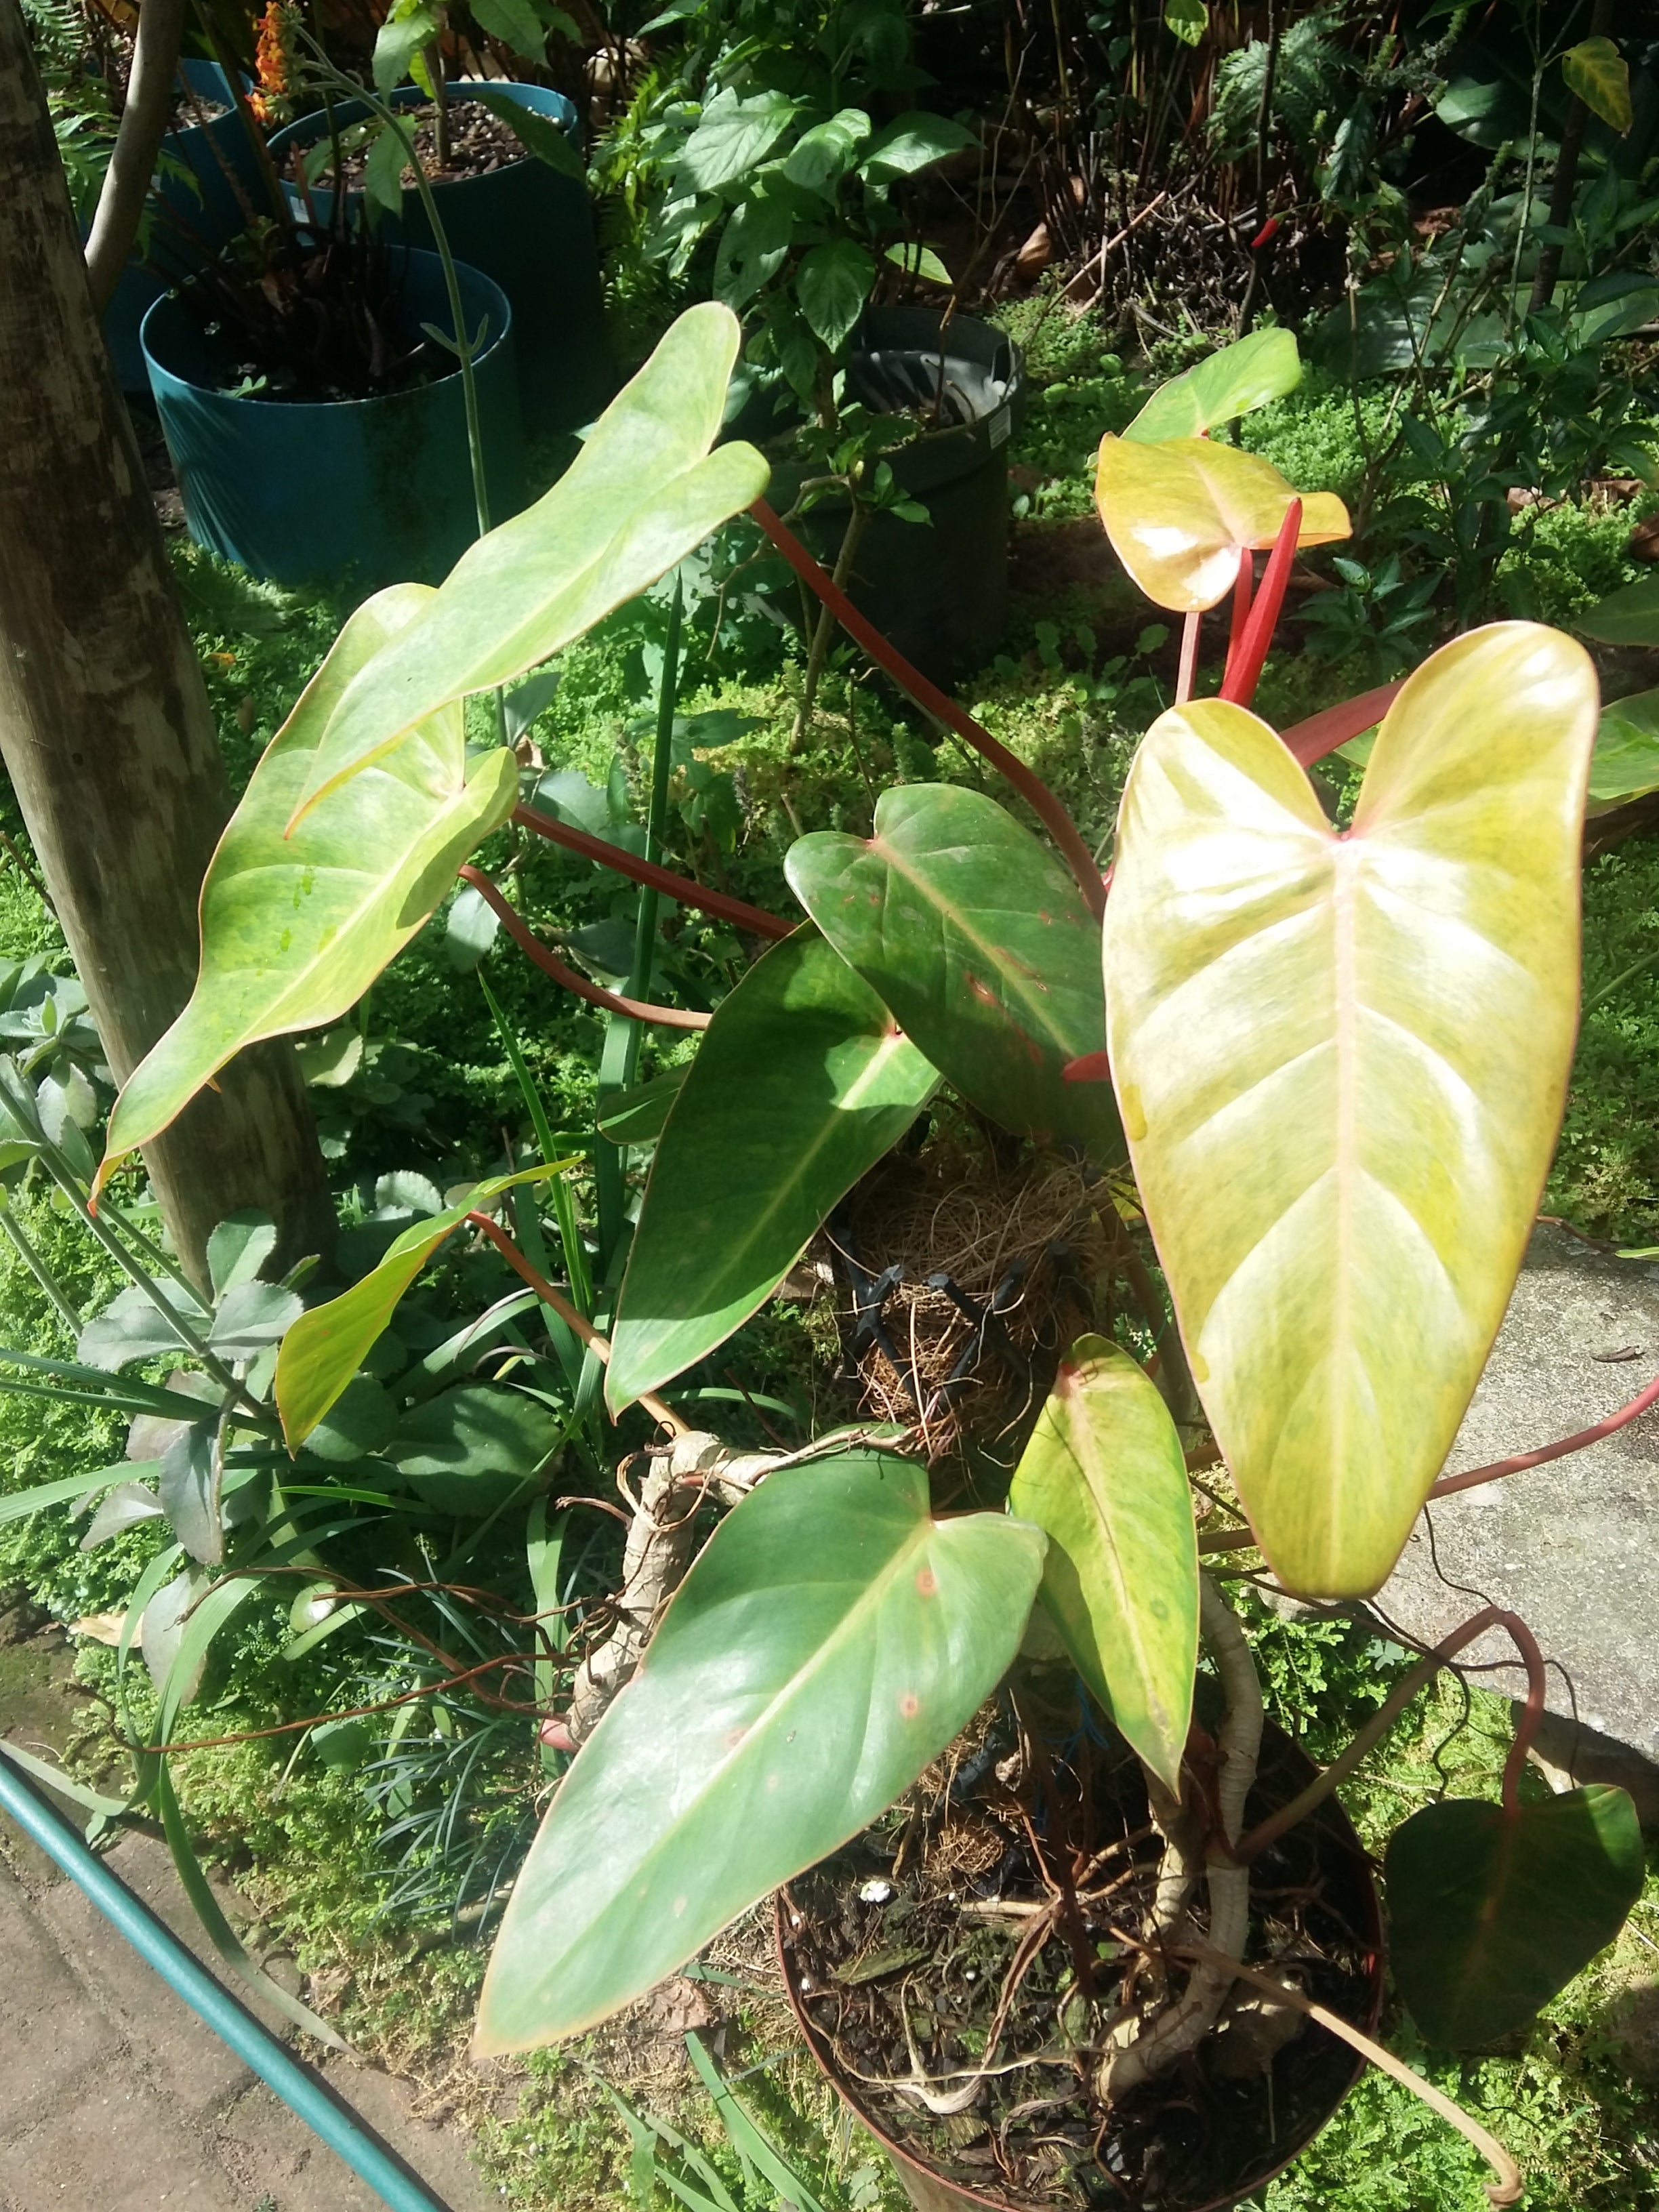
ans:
(105, 725)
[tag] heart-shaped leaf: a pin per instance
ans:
(1179, 514)
(325, 1348)
(802, 1083)
(1625, 764)
(830, 1641)
(1245, 374)
(295, 929)
(1104, 1475)
(1627, 616)
(1341, 1062)
(976, 938)
(643, 492)
(1492, 1912)
(1596, 70)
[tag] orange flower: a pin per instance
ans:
(274, 61)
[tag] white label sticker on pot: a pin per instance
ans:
(999, 427)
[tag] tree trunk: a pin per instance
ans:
(105, 726)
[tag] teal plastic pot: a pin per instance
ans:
(367, 492)
(529, 229)
(183, 222)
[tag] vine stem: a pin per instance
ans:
(634, 1009)
(943, 708)
(1449, 1484)
(1288, 1816)
(577, 1323)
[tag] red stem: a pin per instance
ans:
(933, 701)
(1526, 1729)
(599, 1345)
(754, 919)
(668, 1017)
(1242, 590)
(1324, 733)
(1244, 661)
(1449, 1483)
(1187, 670)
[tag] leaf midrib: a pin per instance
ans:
(1000, 966)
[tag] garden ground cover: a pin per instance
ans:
(428, 1089)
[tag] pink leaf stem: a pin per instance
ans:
(1244, 662)
(668, 1017)
(943, 708)
(742, 916)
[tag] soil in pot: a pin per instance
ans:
(971, 1945)
(480, 143)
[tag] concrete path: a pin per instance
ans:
(115, 2097)
(1571, 1546)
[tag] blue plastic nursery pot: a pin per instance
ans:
(531, 231)
(374, 491)
(222, 165)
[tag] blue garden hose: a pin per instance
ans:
(254, 2045)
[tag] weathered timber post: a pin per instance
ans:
(105, 726)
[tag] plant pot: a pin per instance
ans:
(380, 490)
(531, 231)
(1198, 2122)
(222, 163)
(937, 589)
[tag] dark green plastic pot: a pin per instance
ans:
(182, 224)
(529, 229)
(368, 491)
(937, 589)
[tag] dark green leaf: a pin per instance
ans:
(249, 1317)
(237, 1248)
(188, 1489)
(802, 1083)
(832, 284)
(516, 23)
(132, 1327)
(357, 1425)
(969, 929)
(467, 1451)
(732, 135)
(638, 1116)
(1492, 1913)
(1630, 616)
(913, 142)
(537, 133)
(830, 1641)
(822, 156)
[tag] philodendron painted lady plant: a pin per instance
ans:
(1333, 1059)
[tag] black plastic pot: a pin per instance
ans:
(937, 589)
(1342, 1875)
(380, 490)
(531, 231)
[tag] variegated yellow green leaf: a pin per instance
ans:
(1180, 513)
(1105, 1477)
(646, 489)
(295, 929)
(1341, 1061)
